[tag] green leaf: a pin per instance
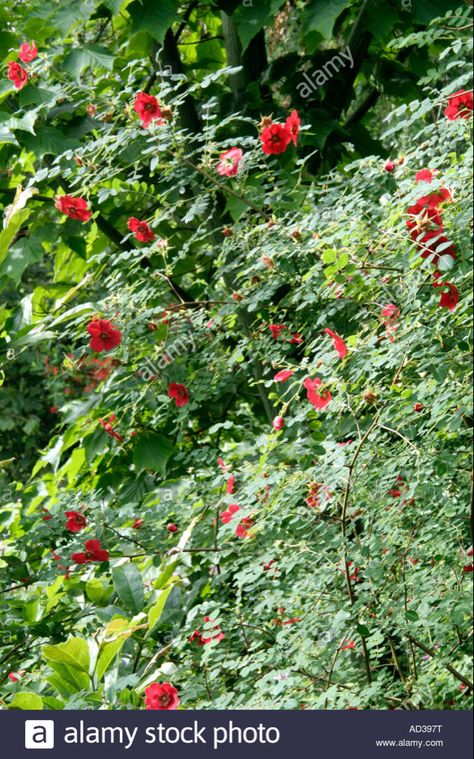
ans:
(107, 655)
(129, 586)
(8, 234)
(27, 701)
(23, 253)
(157, 609)
(73, 653)
(153, 17)
(321, 15)
(412, 616)
(67, 680)
(87, 56)
(152, 451)
(48, 141)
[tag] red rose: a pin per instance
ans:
(389, 166)
(276, 330)
(417, 407)
(17, 75)
(226, 516)
(162, 696)
(459, 106)
(243, 527)
(148, 109)
(230, 485)
(296, 339)
(104, 336)
(179, 393)
(27, 52)
(108, 427)
(278, 423)
(339, 344)
(92, 553)
(75, 208)
(449, 299)
(293, 123)
(75, 521)
(140, 229)
(348, 645)
(171, 527)
(137, 523)
(275, 139)
(425, 175)
(284, 375)
(430, 243)
(318, 400)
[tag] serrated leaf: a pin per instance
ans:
(153, 17)
(152, 451)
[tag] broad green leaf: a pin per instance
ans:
(321, 15)
(129, 586)
(152, 451)
(26, 700)
(153, 17)
(8, 234)
(87, 56)
(157, 609)
(107, 655)
(73, 653)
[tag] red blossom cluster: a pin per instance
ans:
(275, 137)
(390, 315)
(227, 515)
(212, 635)
(93, 552)
(141, 230)
(148, 109)
(107, 424)
(103, 335)
(15, 72)
(317, 397)
(75, 521)
(459, 105)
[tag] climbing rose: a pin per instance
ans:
(448, 299)
(75, 208)
(296, 339)
(171, 527)
(275, 139)
(242, 528)
(459, 106)
(148, 109)
(417, 407)
(389, 166)
(229, 161)
(27, 52)
(17, 75)
(179, 393)
(104, 336)
(140, 229)
(425, 175)
(75, 521)
(339, 344)
(293, 123)
(161, 696)
(284, 375)
(226, 516)
(276, 330)
(93, 552)
(315, 398)
(278, 423)
(230, 485)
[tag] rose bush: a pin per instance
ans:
(253, 481)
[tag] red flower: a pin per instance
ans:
(179, 393)
(148, 109)
(339, 345)
(276, 330)
(390, 312)
(348, 645)
(278, 423)
(459, 106)
(293, 124)
(319, 401)
(296, 339)
(222, 465)
(161, 696)
(448, 299)
(75, 521)
(389, 166)
(92, 553)
(15, 676)
(430, 242)
(425, 175)
(242, 528)
(53, 410)
(275, 139)
(27, 52)
(230, 485)
(417, 407)
(218, 637)
(229, 161)
(226, 516)
(284, 375)
(171, 527)
(108, 427)
(137, 523)
(17, 75)
(75, 208)
(140, 229)
(104, 336)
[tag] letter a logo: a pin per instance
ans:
(39, 733)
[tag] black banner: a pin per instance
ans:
(235, 734)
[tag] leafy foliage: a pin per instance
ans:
(340, 580)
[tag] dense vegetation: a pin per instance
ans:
(235, 410)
